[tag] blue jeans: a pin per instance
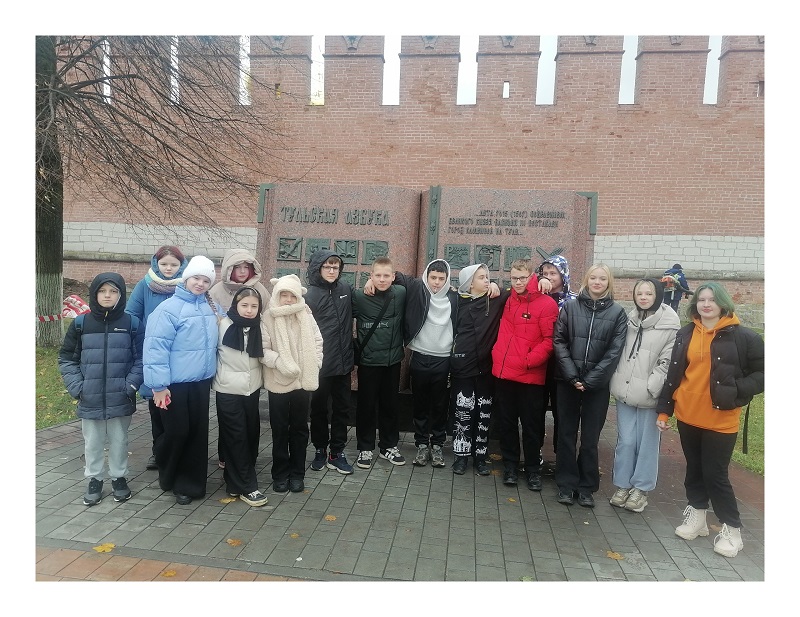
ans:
(636, 454)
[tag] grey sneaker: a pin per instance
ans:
(619, 497)
(437, 456)
(637, 500)
(120, 489)
(364, 459)
(94, 493)
(393, 456)
(423, 455)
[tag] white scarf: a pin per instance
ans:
(292, 335)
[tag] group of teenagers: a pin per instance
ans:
(478, 355)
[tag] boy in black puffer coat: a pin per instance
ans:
(101, 365)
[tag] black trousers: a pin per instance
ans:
(182, 449)
(240, 432)
(337, 389)
(708, 456)
(550, 401)
(429, 376)
(156, 426)
(586, 411)
(514, 404)
(288, 418)
(378, 389)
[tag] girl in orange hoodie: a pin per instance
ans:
(717, 366)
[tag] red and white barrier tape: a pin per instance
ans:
(50, 317)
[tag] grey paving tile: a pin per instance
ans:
(489, 573)
(430, 570)
(371, 563)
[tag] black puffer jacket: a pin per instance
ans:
(331, 305)
(588, 340)
(102, 367)
(478, 321)
(737, 367)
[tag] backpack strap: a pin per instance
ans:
(79, 323)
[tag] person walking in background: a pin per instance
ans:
(160, 282)
(588, 340)
(556, 270)
(180, 359)
(293, 349)
(717, 366)
(239, 269)
(330, 300)
(237, 386)
(519, 364)
(675, 286)
(635, 385)
(101, 364)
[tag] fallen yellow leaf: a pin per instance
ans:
(234, 542)
(495, 457)
(512, 500)
(105, 548)
(496, 472)
(228, 499)
(168, 573)
(294, 535)
(330, 517)
(614, 555)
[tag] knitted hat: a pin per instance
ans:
(465, 277)
(290, 283)
(200, 266)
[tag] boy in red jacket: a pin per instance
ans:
(519, 362)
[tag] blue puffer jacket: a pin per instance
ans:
(180, 341)
(102, 367)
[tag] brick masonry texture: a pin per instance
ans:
(676, 180)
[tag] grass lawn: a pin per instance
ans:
(53, 404)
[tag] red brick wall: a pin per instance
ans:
(665, 165)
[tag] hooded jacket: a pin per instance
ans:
(478, 320)
(180, 341)
(237, 372)
(418, 301)
(222, 292)
(144, 300)
(562, 266)
(642, 369)
(331, 305)
(735, 373)
(588, 340)
(525, 338)
(102, 367)
(293, 346)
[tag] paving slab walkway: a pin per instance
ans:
(389, 523)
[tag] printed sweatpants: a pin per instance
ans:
(471, 401)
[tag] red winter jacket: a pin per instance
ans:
(525, 340)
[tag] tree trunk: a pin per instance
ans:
(49, 200)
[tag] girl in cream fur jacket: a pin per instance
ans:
(292, 359)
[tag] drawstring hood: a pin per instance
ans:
(644, 314)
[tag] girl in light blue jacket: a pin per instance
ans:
(180, 349)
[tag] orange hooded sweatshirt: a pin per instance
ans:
(693, 395)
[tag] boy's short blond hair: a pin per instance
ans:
(522, 264)
(382, 261)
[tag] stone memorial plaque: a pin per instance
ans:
(347, 250)
(315, 244)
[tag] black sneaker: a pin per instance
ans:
(151, 462)
(296, 485)
(481, 467)
(534, 481)
(460, 465)
(280, 486)
(510, 476)
(120, 490)
(94, 493)
(320, 458)
(565, 497)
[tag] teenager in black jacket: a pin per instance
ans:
(588, 340)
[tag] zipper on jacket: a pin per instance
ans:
(589, 337)
(105, 366)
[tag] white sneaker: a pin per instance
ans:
(255, 499)
(637, 500)
(693, 525)
(364, 459)
(619, 497)
(728, 542)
